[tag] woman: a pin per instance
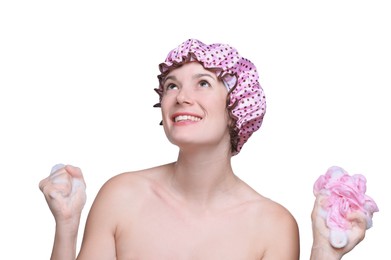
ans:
(196, 207)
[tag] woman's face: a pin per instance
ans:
(194, 108)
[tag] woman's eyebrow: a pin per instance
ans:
(200, 75)
(167, 78)
(195, 76)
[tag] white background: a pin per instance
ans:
(76, 86)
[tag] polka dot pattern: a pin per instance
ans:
(238, 74)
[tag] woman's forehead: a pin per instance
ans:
(191, 68)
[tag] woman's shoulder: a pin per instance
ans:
(275, 226)
(276, 213)
(268, 212)
(134, 182)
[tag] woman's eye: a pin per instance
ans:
(171, 86)
(204, 84)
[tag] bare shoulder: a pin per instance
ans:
(273, 214)
(123, 195)
(276, 229)
(266, 210)
(283, 234)
(125, 185)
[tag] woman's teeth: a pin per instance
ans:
(186, 118)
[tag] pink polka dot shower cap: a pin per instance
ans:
(239, 75)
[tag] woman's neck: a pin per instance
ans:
(203, 178)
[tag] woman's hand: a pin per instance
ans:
(64, 191)
(322, 247)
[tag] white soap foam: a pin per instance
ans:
(57, 167)
(338, 238)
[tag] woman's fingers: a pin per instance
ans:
(64, 191)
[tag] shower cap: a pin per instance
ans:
(239, 75)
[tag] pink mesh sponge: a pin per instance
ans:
(239, 75)
(344, 194)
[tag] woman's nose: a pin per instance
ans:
(184, 96)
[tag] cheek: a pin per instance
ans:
(220, 105)
(221, 113)
(165, 104)
(164, 116)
